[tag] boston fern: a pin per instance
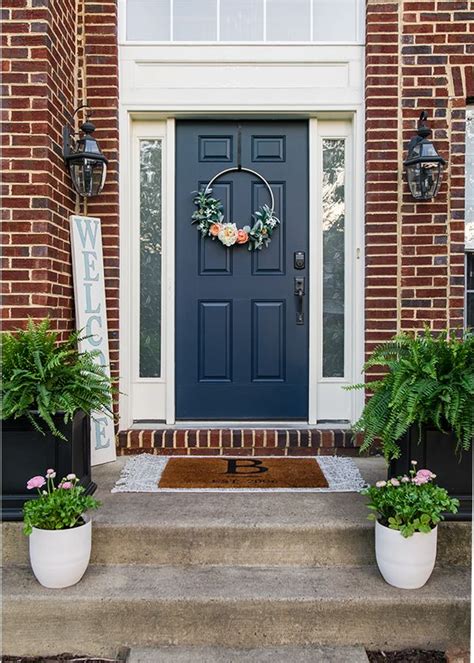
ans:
(429, 381)
(42, 377)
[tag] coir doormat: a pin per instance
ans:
(147, 473)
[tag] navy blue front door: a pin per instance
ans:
(240, 352)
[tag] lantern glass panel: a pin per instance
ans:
(430, 179)
(88, 176)
(424, 179)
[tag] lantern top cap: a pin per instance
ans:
(423, 130)
(87, 127)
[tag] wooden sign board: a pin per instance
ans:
(469, 234)
(91, 317)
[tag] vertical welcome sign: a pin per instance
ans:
(91, 316)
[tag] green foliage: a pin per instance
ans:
(42, 377)
(58, 508)
(408, 506)
(429, 381)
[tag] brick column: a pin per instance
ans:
(435, 57)
(419, 57)
(101, 65)
(382, 179)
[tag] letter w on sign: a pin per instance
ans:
(91, 316)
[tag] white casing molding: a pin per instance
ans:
(159, 83)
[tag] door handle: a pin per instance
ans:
(299, 292)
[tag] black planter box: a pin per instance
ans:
(436, 452)
(27, 453)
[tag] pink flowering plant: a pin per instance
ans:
(57, 507)
(410, 503)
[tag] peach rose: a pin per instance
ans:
(215, 229)
(242, 237)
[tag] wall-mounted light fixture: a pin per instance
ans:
(86, 163)
(424, 166)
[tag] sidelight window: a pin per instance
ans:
(333, 220)
(150, 257)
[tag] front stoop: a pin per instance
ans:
(239, 441)
(215, 574)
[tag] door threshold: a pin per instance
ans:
(340, 424)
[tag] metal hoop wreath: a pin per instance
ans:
(239, 169)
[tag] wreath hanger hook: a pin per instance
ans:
(239, 168)
(239, 148)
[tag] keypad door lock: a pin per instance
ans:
(299, 260)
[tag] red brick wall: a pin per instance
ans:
(419, 57)
(38, 89)
(44, 44)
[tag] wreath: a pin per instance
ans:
(209, 216)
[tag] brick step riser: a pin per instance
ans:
(238, 546)
(251, 442)
(239, 451)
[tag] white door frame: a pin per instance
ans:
(136, 124)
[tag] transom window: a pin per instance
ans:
(242, 20)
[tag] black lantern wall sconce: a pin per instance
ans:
(84, 159)
(424, 166)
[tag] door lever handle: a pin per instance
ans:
(299, 292)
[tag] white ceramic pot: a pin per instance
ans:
(59, 558)
(405, 562)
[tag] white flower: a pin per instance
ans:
(414, 462)
(405, 479)
(71, 477)
(395, 482)
(228, 234)
(381, 484)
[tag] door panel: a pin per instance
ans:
(240, 355)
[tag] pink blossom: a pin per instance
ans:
(422, 476)
(50, 474)
(381, 484)
(420, 480)
(426, 473)
(395, 482)
(35, 482)
(66, 485)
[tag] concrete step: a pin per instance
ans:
(143, 606)
(329, 542)
(303, 654)
(236, 529)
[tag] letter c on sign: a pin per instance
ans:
(89, 332)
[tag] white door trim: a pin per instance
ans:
(162, 391)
